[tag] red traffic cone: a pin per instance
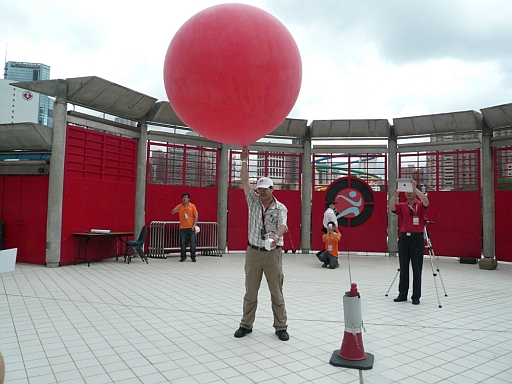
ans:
(352, 354)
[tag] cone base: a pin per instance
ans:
(365, 364)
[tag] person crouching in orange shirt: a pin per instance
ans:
(330, 256)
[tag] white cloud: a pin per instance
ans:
(371, 59)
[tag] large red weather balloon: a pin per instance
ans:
(232, 73)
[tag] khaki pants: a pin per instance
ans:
(271, 264)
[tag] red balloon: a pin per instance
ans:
(232, 73)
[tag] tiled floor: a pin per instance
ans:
(171, 322)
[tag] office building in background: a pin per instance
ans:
(15, 103)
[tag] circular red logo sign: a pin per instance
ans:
(349, 203)
(354, 201)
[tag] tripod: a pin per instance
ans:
(435, 270)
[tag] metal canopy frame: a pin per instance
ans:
(376, 128)
(498, 117)
(25, 136)
(101, 95)
(97, 94)
(444, 123)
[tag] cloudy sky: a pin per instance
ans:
(361, 59)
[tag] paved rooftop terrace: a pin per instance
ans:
(172, 322)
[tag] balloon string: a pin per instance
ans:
(349, 271)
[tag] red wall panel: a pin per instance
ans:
(317, 217)
(457, 228)
(99, 190)
(502, 198)
(100, 205)
(238, 216)
(12, 211)
(503, 214)
(25, 206)
(34, 212)
(2, 186)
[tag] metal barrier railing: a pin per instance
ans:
(164, 239)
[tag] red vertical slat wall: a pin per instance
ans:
(175, 169)
(371, 170)
(285, 170)
(34, 211)
(452, 182)
(99, 189)
(11, 209)
(2, 186)
(24, 200)
(502, 199)
(238, 217)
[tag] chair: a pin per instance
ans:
(136, 245)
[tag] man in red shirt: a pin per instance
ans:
(188, 221)
(411, 218)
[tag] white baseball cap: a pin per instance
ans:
(264, 182)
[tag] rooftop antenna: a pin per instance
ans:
(5, 61)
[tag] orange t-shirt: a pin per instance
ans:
(187, 214)
(331, 243)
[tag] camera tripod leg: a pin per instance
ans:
(435, 283)
(435, 270)
(438, 271)
(393, 282)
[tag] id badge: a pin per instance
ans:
(415, 220)
(186, 215)
(329, 247)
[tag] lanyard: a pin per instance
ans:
(264, 212)
(411, 208)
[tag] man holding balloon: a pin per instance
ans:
(232, 73)
(267, 225)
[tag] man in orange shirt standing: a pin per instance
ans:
(330, 256)
(188, 221)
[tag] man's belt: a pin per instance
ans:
(262, 249)
(412, 234)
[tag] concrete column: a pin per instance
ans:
(140, 181)
(222, 201)
(392, 176)
(56, 177)
(488, 228)
(307, 183)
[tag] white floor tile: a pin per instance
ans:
(76, 324)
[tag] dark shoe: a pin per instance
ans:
(415, 301)
(194, 260)
(400, 298)
(324, 265)
(337, 265)
(283, 335)
(182, 260)
(241, 332)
